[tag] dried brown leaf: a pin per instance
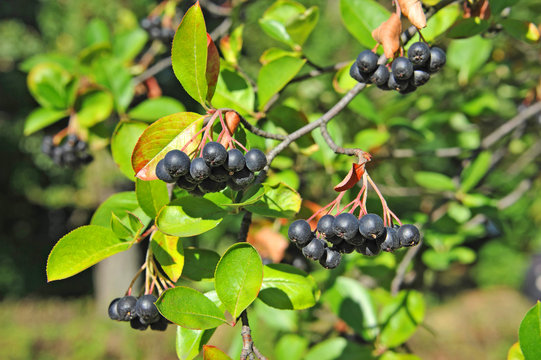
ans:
(413, 10)
(388, 35)
(353, 177)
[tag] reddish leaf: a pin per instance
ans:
(165, 134)
(213, 353)
(388, 35)
(213, 67)
(413, 10)
(353, 177)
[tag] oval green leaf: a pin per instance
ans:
(529, 333)
(151, 195)
(213, 353)
(94, 107)
(361, 17)
(152, 109)
(275, 75)
(169, 252)
(82, 248)
(189, 342)
(233, 91)
(434, 181)
(190, 309)
(339, 349)
(279, 200)
(119, 204)
(123, 142)
(238, 277)
(41, 118)
(52, 86)
(475, 171)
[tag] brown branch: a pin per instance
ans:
(403, 267)
(248, 348)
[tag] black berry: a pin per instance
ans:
(113, 310)
(371, 226)
(146, 310)
(325, 226)
(126, 308)
(233, 186)
(235, 160)
(300, 232)
(344, 247)
(163, 174)
(314, 250)
(408, 90)
(402, 68)
(345, 225)
(186, 184)
(219, 174)
(330, 259)
(419, 78)
(199, 169)
(369, 248)
(395, 84)
(243, 178)
(367, 61)
(419, 53)
(214, 154)
(380, 76)
(408, 235)
(47, 145)
(356, 74)
(437, 59)
(177, 163)
(160, 325)
(137, 324)
(333, 239)
(391, 242)
(255, 160)
(356, 240)
(210, 186)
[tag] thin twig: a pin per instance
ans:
(245, 226)
(254, 129)
(403, 267)
(248, 347)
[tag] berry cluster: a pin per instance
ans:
(367, 235)
(153, 26)
(407, 73)
(215, 170)
(71, 152)
(141, 313)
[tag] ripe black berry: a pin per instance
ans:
(402, 68)
(367, 61)
(330, 259)
(113, 310)
(391, 242)
(47, 145)
(210, 186)
(196, 192)
(146, 24)
(356, 74)
(345, 226)
(419, 53)
(344, 247)
(325, 227)
(371, 226)
(186, 184)
(356, 240)
(255, 160)
(177, 163)
(219, 174)
(369, 248)
(146, 310)
(408, 90)
(408, 235)
(163, 174)
(137, 324)
(160, 325)
(437, 59)
(235, 160)
(214, 154)
(333, 239)
(380, 76)
(395, 84)
(126, 308)
(314, 250)
(419, 78)
(199, 169)
(243, 178)
(300, 232)
(231, 184)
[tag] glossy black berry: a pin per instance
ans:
(380, 76)
(146, 310)
(219, 174)
(300, 232)
(419, 78)
(408, 90)
(369, 248)
(160, 325)
(47, 145)
(138, 324)
(126, 308)
(235, 160)
(367, 61)
(199, 169)
(419, 53)
(163, 174)
(356, 74)
(186, 184)
(371, 226)
(154, 33)
(314, 249)
(256, 160)
(177, 163)
(333, 239)
(243, 178)
(325, 226)
(330, 259)
(437, 59)
(196, 192)
(210, 186)
(402, 68)
(395, 84)
(344, 247)
(146, 24)
(391, 242)
(356, 240)
(214, 154)
(80, 146)
(233, 186)
(345, 225)
(113, 310)
(408, 235)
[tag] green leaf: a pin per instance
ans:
(302, 25)
(371, 139)
(111, 73)
(284, 10)
(467, 56)
(275, 53)
(41, 118)
(96, 32)
(189, 216)
(121, 230)
(279, 200)
(64, 61)
(440, 22)
(233, 91)
(401, 318)
(342, 82)
(286, 287)
(496, 6)
(190, 309)
(521, 30)
(475, 171)
(169, 252)
(82, 248)
(189, 54)
(152, 196)
(276, 30)
(291, 347)
(94, 107)
(290, 119)
(123, 142)
(350, 301)
(458, 212)
(190, 342)
(213, 353)
(200, 264)
(515, 353)
(238, 277)
(213, 68)
(275, 75)
(465, 28)
(389, 355)
(437, 260)
(232, 45)
(361, 17)
(168, 133)
(434, 181)
(155, 108)
(128, 44)
(529, 333)
(52, 86)
(339, 349)
(119, 204)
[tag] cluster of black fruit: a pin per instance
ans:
(71, 152)
(141, 313)
(406, 73)
(346, 233)
(214, 171)
(153, 25)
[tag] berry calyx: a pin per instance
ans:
(199, 169)
(177, 163)
(256, 160)
(300, 232)
(408, 235)
(371, 226)
(367, 61)
(402, 68)
(345, 226)
(214, 154)
(235, 160)
(419, 53)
